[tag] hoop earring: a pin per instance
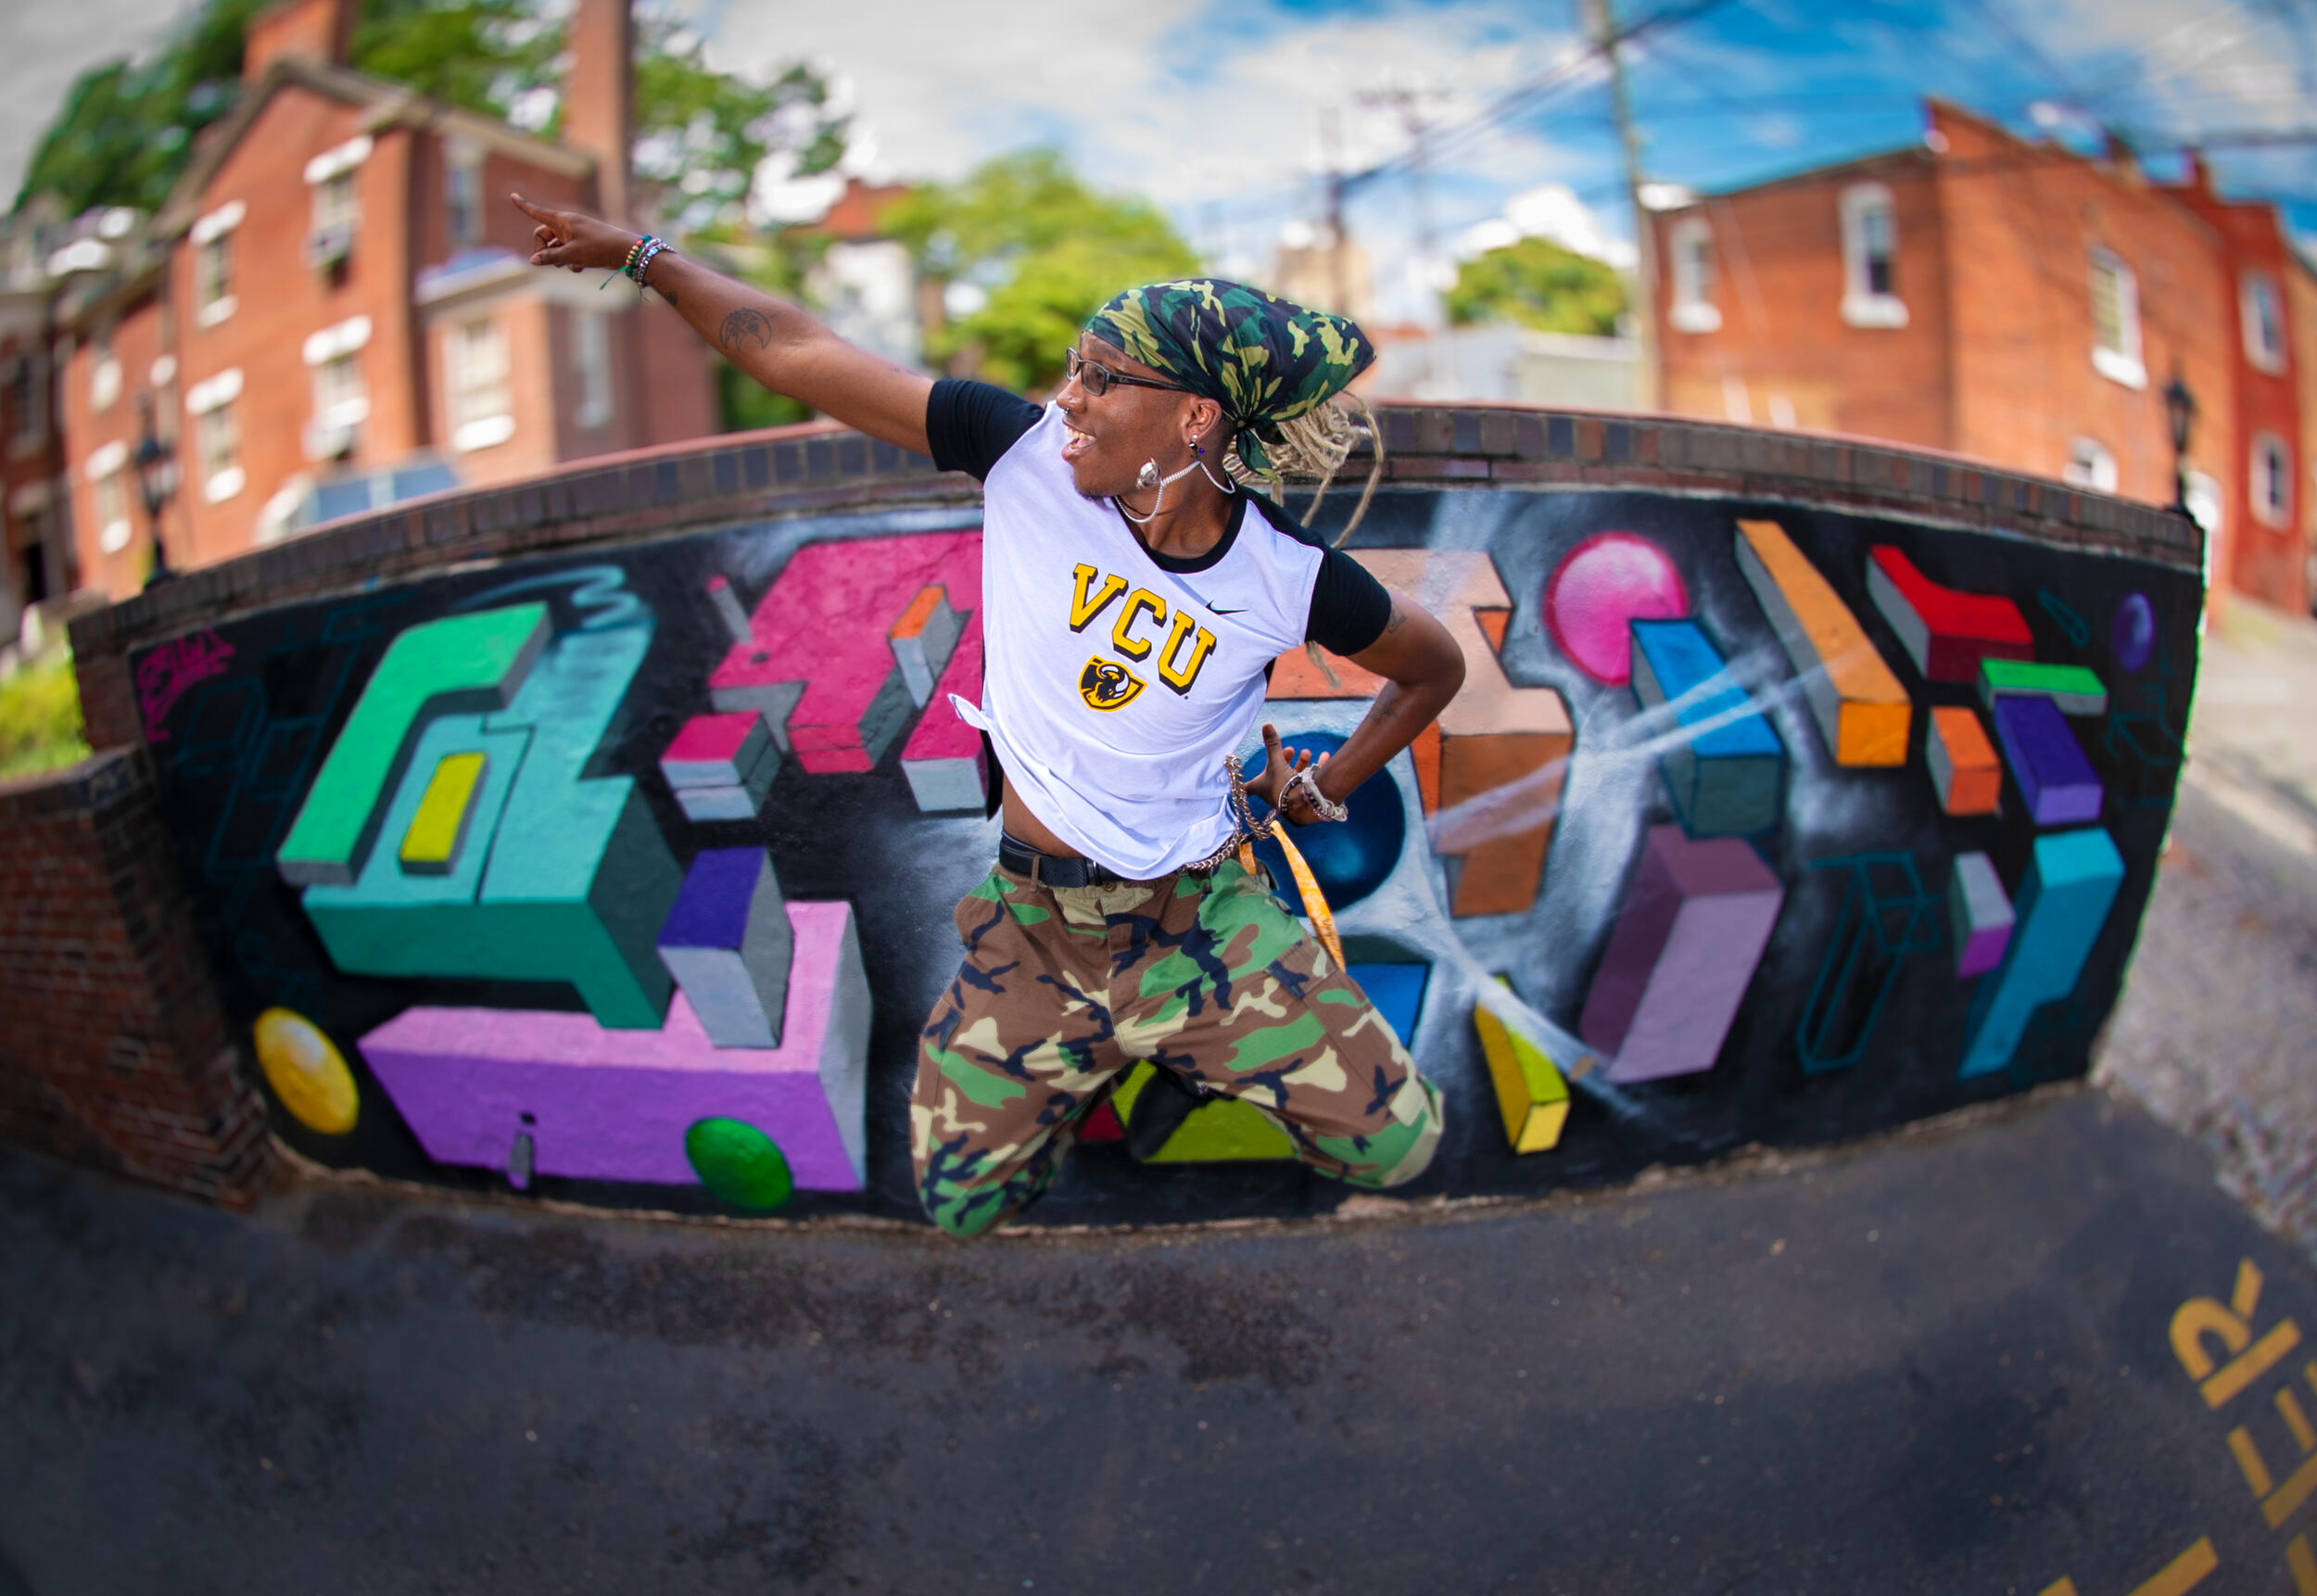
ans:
(1199, 458)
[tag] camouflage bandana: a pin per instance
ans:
(1263, 360)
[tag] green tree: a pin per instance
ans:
(1537, 283)
(127, 128)
(1043, 249)
(702, 134)
(481, 53)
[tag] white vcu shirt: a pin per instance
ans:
(1116, 682)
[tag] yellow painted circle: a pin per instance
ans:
(307, 1072)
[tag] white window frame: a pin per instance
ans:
(337, 161)
(2268, 449)
(105, 469)
(591, 365)
(2252, 287)
(103, 374)
(2090, 464)
(1690, 243)
(217, 434)
(213, 296)
(482, 402)
(1863, 305)
(2121, 364)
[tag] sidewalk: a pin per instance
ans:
(1937, 1364)
(2213, 1032)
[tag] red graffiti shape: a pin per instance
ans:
(164, 674)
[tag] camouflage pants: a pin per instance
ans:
(1064, 988)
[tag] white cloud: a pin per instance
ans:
(1215, 113)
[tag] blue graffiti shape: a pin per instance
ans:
(2059, 909)
(2147, 758)
(2079, 630)
(600, 592)
(250, 742)
(1351, 860)
(1886, 918)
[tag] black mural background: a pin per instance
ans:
(238, 747)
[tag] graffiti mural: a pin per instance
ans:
(626, 878)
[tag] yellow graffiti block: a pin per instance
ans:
(1534, 1097)
(431, 845)
(1861, 709)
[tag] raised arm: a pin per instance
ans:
(774, 342)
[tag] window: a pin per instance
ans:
(335, 210)
(2116, 321)
(341, 400)
(481, 404)
(212, 239)
(2090, 465)
(462, 191)
(1871, 254)
(103, 372)
(2263, 315)
(28, 403)
(106, 471)
(591, 363)
(341, 405)
(2272, 481)
(217, 436)
(1692, 248)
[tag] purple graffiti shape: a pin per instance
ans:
(165, 675)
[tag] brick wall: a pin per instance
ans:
(114, 1050)
(1783, 353)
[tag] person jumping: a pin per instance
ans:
(1130, 609)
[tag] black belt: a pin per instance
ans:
(1051, 869)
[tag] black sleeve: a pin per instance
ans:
(970, 425)
(1349, 607)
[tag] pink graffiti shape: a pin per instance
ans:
(164, 674)
(1606, 583)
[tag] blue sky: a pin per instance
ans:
(1215, 107)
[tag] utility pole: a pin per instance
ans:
(1604, 25)
(1332, 153)
(1409, 102)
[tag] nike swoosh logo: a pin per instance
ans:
(1240, 611)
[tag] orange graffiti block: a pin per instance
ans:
(1862, 711)
(1494, 758)
(1962, 762)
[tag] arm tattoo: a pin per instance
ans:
(1399, 618)
(745, 327)
(667, 294)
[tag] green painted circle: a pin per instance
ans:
(739, 1164)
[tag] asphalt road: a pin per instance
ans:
(1939, 1363)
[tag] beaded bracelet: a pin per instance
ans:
(1323, 806)
(650, 252)
(627, 267)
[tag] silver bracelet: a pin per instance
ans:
(1307, 778)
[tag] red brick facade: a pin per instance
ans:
(2013, 270)
(343, 287)
(115, 1051)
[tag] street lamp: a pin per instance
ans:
(2179, 414)
(156, 481)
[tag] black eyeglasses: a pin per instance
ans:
(1098, 379)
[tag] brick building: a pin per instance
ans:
(336, 291)
(2011, 301)
(36, 556)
